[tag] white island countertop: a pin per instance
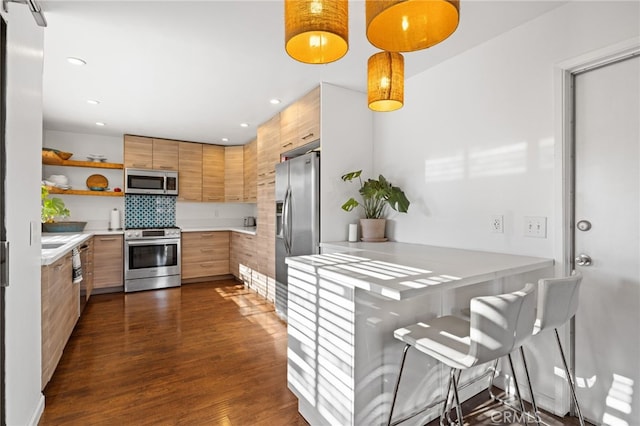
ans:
(401, 270)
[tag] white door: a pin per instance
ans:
(607, 333)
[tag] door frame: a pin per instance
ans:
(564, 177)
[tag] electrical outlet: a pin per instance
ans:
(497, 224)
(535, 226)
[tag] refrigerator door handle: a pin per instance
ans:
(286, 221)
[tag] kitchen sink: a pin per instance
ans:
(47, 246)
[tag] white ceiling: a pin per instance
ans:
(195, 70)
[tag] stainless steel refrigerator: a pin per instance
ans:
(297, 216)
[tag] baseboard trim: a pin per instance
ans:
(35, 419)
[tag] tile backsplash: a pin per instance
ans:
(149, 211)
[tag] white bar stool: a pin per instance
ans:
(557, 304)
(498, 325)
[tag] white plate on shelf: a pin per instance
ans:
(96, 160)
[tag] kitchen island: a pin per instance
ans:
(344, 304)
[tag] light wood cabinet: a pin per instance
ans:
(138, 152)
(205, 254)
(108, 261)
(268, 157)
(300, 122)
(234, 174)
(250, 172)
(165, 154)
(190, 171)
(213, 166)
(242, 251)
(60, 304)
(209, 173)
(148, 153)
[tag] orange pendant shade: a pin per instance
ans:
(316, 31)
(409, 25)
(385, 81)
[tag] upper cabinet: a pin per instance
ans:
(190, 171)
(138, 152)
(251, 172)
(147, 153)
(213, 170)
(165, 154)
(300, 122)
(234, 174)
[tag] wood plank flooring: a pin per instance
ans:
(202, 354)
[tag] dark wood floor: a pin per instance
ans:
(203, 354)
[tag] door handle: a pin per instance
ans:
(583, 260)
(4, 263)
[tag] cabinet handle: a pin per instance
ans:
(308, 136)
(166, 167)
(107, 239)
(287, 144)
(139, 165)
(206, 235)
(214, 198)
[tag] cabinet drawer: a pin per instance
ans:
(205, 269)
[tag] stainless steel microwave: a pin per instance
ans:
(155, 182)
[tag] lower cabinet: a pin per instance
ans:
(245, 265)
(108, 262)
(60, 299)
(205, 254)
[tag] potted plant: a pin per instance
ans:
(54, 209)
(376, 195)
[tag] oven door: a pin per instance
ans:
(151, 258)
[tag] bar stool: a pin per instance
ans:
(498, 325)
(557, 304)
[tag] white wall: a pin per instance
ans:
(24, 401)
(346, 143)
(95, 210)
(476, 135)
(476, 138)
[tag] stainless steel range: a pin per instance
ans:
(151, 258)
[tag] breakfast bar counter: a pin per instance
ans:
(345, 303)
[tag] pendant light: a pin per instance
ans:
(316, 31)
(385, 81)
(409, 25)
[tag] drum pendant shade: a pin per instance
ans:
(409, 25)
(385, 81)
(316, 31)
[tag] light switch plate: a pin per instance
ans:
(535, 226)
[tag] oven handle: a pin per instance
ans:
(153, 242)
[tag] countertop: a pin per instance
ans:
(69, 240)
(402, 270)
(251, 230)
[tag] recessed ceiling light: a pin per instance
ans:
(275, 101)
(225, 139)
(244, 124)
(100, 123)
(76, 61)
(93, 101)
